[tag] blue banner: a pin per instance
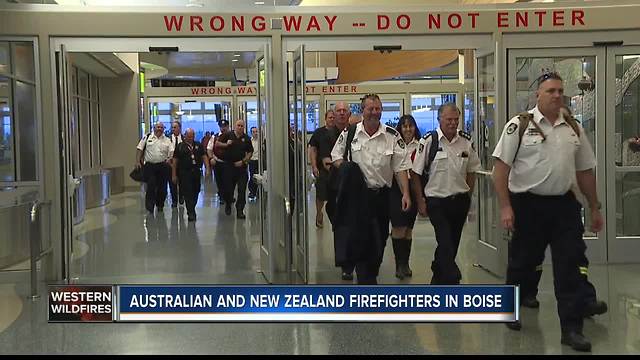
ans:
(317, 303)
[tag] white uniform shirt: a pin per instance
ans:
(158, 149)
(211, 144)
(256, 148)
(544, 167)
(379, 156)
(449, 169)
(175, 140)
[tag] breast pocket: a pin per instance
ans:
(531, 150)
(441, 161)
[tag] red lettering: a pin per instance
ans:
(211, 91)
(196, 21)
(383, 25)
(251, 91)
(173, 22)
(332, 89)
(558, 18)
(291, 20)
(324, 89)
(330, 21)
(458, 22)
(473, 19)
(313, 22)
(220, 22)
(237, 23)
(434, 21)
(540, 15)
(403, 25)
(503, 19)
(194, 91)
(577, 15)
(241, 90)
(227, 91)
(353, 88)
(261, 25)
(522, 19)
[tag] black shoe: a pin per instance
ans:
(597, 307)
(227, 209)
(406, 270)
(181, 201)
(516, 325)
(530, 302)
(576, 340)
(399, 272)
(241, 215)
(347, 276)
(221, 200)
(191, 218)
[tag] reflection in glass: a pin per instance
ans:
(424, 108)
(486, 108)
(25, 104)
(7, 166)
(5, 58)
(627, 120)
(24, 67)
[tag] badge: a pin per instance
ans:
(401, 143)
(511, 128)
(355, 140)
(341, 139)
(421, 148)
(464, 154)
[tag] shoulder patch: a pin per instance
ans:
(464, 135)
(427, 135)
(512, 128)
(401, 143)
(421, 148)
(341, 139)
(392, 131)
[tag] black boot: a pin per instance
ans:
(407, 253)
(398, 252)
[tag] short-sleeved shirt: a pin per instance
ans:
(216, 150)
(544, 167)
(157, 150)
(240, 146)
(449, 169)
(189, 156)
(323, 139)
(379, 156)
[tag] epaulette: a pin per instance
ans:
(426, 136)
(464, 135)
(392, 131)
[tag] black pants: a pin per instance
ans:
(156, 177)
(529, 288)
(447, 215)
(174, 189)
(235, 176)
(253, 186)
(218, 174)
(378, 228)
(542, 221)
(189, 182)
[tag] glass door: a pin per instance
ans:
(582, 70)
(492, 249)
(623, 160)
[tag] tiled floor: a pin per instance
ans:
(120, 244)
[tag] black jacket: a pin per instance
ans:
(351, 215)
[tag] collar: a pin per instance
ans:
(537, 117)
(157, 137)
(360, 128)
(441, 135)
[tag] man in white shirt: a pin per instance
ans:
(176, 138)
(153, 154)
(253, 164)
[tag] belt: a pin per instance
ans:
(528, 194)
(377, 190)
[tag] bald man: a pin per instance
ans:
(188, 158)
(238, 152)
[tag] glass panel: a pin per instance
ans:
(7, 166)
(313, 115)
(5, 58)
(95, 136)
(262, 130)
(489, 210)
(24, 68)
(83, 83)
(578, 74)
(627, 150)
(74, 137)
(94, 88)
(424, 108)
(74, 81)
(25, 101)
(85, 135)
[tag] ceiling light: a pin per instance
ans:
(259, 2)
(195, 3)
(234, 60)
(236, 55)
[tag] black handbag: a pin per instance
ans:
(137, 174)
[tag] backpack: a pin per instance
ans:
(433, 149)
(526, 117)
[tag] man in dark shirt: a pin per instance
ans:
(319, 148)
(238, 151)
(188, 158)
(216, 155)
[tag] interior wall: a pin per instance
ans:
(120, 123)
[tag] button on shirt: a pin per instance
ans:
(544, 167)
(158, 149)
(449, 169)
(379, 156)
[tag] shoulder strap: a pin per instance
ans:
(571, 120)
(433, 149)
(524, 119)
(350, 135)
(144, 147)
